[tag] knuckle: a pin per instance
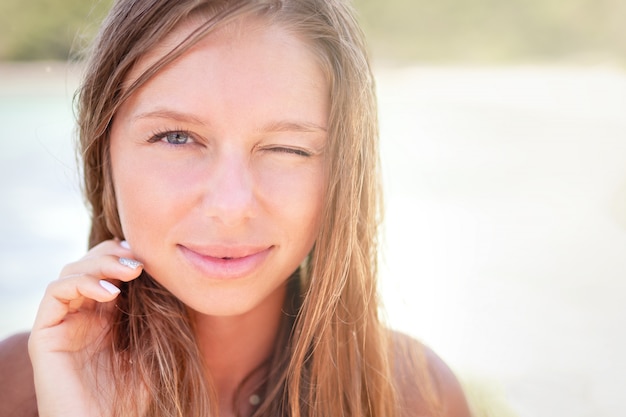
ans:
(50, 288)
(68, 268)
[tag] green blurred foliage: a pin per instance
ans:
(426, 30)
(48, 29)
(496, 30)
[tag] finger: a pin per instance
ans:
(104, 267)
(60, 295)
(87, 279)
(110, 247)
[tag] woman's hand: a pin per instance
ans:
(67, 345)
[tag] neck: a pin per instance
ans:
(234, 347)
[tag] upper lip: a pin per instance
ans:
(226, 251)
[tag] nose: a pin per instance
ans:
(229, 196)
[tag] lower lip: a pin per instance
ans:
(223, 269)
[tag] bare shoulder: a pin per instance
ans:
(17, 390)
(426, 386)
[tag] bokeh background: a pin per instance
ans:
(503, 135)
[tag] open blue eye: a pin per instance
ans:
(176, 138)
(172, 137)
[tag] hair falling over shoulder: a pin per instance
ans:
(333, 356)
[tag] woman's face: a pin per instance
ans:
(219, 166)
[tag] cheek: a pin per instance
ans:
(148, 194)
(297, 207)
(131, 194)
(295, 194)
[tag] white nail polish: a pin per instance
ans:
(124, 244)
(131, 263)
(109, 287)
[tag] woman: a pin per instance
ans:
(230, 162)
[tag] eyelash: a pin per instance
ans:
(158, 136)
(294, 151)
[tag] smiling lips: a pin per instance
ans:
(225, 263)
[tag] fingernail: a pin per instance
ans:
(124, 244)
(131, 263)
(109, 287)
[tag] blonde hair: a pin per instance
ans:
(332, 354)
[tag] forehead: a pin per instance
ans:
(235, 33)
(261, 71)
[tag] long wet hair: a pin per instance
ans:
(332, 354)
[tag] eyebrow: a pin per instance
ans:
(292, 126)
(169, 114)
(272, 127)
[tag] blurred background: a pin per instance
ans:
(503, 135)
